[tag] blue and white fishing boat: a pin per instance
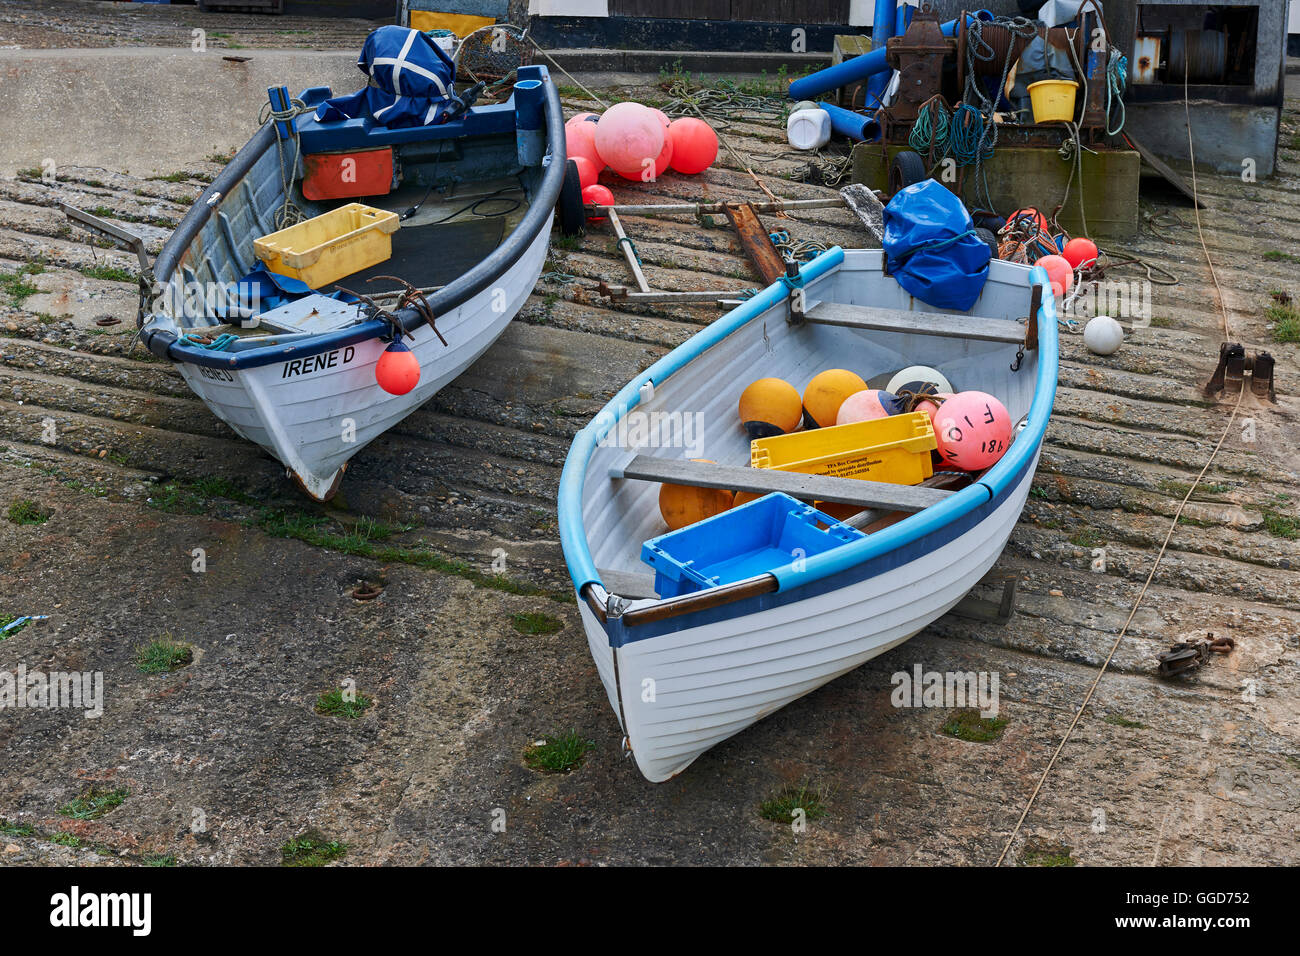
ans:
(475, 190)
(684, 673)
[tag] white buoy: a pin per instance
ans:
(914, 378)
(1103, 335)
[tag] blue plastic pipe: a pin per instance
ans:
(531, 140)
(860, 67)
(882, 28)
(904, 18)
(863, 128)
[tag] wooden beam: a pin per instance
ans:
(848, 491)
(1167, 172)
(754, 240)
(952, 325)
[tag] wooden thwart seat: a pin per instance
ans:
(953, 325)
(849, 491)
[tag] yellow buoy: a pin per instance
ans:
(683, 505)
(769, 407)
(826, 393)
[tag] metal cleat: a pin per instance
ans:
(1234, 363)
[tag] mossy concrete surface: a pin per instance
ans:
(226, 759)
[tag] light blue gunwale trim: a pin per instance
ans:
(994, 482)
(573, 536)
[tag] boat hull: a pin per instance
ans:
(679, 694)
(314, 414)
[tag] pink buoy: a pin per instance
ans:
(587, 171)
(580, 140)
(695, 145)
(600, 196)
(398, 370)
(663, 117)
(973, 430)
(866, 405)
(660, 167)
(1080, 253)
(629, 138)
(1059, 273)
(581, 118)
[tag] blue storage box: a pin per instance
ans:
(755, 538)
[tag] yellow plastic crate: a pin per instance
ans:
(895, 449)
(329, 247)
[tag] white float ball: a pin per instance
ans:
(1103, 335)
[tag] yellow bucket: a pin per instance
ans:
(1053, 100)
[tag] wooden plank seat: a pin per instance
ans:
(950, 324)
(849, 491)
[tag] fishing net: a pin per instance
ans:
(491, 54)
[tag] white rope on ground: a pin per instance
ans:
(1232, 417)
(593, 96)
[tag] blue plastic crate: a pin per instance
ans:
(755, 538)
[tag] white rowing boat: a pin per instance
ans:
(685, 673)
(477, 195)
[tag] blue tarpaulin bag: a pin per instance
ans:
(413, 79)
(931, 248)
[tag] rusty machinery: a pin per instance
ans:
(930, 63)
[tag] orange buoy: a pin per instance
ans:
(682, 505)
(587, 171)
(1059, 273)
(580, 140)
(695, 145)
(826, 393)
(598, 195)
(770, 406)
(1080, 253)
(398, 370)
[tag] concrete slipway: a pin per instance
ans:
(1185, 772)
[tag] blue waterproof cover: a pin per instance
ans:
(931, 248)
(413, 78)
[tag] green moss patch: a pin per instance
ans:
(94, 803)
(805, 796)
(560, 753)
(970, 726)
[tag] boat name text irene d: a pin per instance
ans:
(315, 363)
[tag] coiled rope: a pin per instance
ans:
(929, 134)
(288, 214)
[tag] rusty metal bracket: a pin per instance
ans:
(1233, 366)
(1188, 655)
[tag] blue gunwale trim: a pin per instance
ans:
(918, 533)
(445, 300)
